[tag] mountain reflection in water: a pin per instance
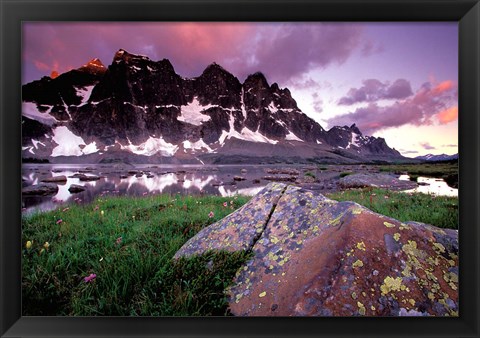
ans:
(174, 180)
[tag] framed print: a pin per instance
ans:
(202, 168)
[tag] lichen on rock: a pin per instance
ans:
(318, 257)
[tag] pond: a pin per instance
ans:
(435, 186)
(140, 181)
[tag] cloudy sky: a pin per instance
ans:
(394, 80)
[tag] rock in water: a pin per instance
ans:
(41, 189)
(317, 257)
(74, 188)
(55, 179)
(376, 180)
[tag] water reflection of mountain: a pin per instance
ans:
(112, 183)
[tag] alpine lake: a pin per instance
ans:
(196, 180)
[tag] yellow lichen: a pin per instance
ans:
(439, 248)
(412, 301)
(406, 271)
(389, 225)
(361, 308)
(357, 264)
(361, 246)
(274, 240)
(396, 236)
(263, 294)
(354, 295)
(391, 284)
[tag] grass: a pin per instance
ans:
(440, 211)
(127, 244)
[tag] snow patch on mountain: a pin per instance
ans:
(292, 137)
(255, 136)
(191, 113)
(354, 141)
(246, 134)
(84, 93)
(30, 110)
(200, 144)
(90, 148)
(70, 144)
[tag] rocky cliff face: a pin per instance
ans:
(143, 107)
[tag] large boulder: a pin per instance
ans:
(313, 256)
(377, 181)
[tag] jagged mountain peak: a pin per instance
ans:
(94, 66)
(144, 107)
(123, 55)
(257, 78)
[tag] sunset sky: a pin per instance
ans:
(394, 80)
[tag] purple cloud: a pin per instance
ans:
(420, 109)
(374, 90)
(427, 146)
(280, 51)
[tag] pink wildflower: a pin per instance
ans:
(59, 221)
(211, 214)
(96, 208)
(119, 240)
(145, 193)
(66, 209)
(89, 278)
(225, 204)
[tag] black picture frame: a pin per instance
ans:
(14, 12)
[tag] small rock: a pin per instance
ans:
(74, 188)
(55, 179)
(89, 178)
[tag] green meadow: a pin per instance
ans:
(113, 257)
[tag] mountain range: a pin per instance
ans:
(142, 111)
(437, 158)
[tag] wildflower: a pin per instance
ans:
(231, 202)
(96, 208)
(119, 240)
(41, 251)
(386, 197)
(225, 204)
(89, 278)
(145, 193)
(59, 221)
(66, 209)
(28, 245)
(211, 214)
(46, 245)
(102, 212)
